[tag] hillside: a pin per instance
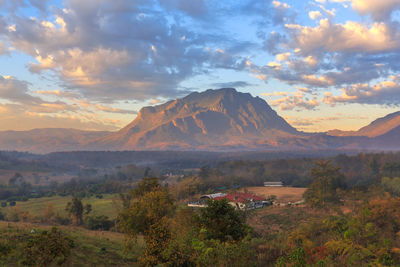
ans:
(376, 128)
(47, 139)
(213, 120)
(223, 118)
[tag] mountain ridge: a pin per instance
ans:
(376, 128)
(213, 120)
(200, 119)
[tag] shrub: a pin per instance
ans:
(47, 247)
(98, 223)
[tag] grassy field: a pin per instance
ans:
(91, 248)
(108, 205)
(283, 194)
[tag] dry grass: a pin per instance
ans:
(283, 194)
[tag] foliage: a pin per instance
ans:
(221, 221)
(326, 180)
(100, 222)
(46, 247)
(49, 213)
(391, 185)
(146, 211)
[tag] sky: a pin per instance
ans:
(91, 65)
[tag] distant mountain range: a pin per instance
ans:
(214, 120)
(376, 128)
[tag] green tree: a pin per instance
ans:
(146, 211)
(46, 248)
(221, 221)
(75, 210)
(326, 180)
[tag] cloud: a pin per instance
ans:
(314, 15)
(127, 50)
(20, 104)
(236, 84)
(379, 10)
(386, 92)
(294, 100)
(349, 37)
(16, 91)
(16, 119)
(194, 8)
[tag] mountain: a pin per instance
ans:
(212, 119)
(376, 128)
(47, 139)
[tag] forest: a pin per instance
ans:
(351, 215)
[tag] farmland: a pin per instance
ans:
(283, 194)
(108, 205)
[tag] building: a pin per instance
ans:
(240, 200)
(202, 202)
(245, 201)
(273, 184)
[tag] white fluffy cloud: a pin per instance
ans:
(379, 10)
(348, 37)
(302, 99)
(315, 14)
(386, 92)
(127, 50)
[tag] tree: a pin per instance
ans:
(75, 210)
(326, 179)
(146, 211)
(49, 213)
(221, 221)
(16, 179)
(47, 247)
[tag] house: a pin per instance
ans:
(245, 201)
(273, 184)
(240, 200)
(202, 202)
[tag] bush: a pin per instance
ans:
(47, 247)
(62, 220)
(98, 223)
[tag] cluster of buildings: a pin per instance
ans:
(240, 200)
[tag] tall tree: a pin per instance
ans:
(326, 179)
(75, 210)
(147, 211)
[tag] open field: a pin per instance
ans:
(91, 248)
(108, 205)
(283, 219)
(283, 194)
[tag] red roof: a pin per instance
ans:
(241, 197)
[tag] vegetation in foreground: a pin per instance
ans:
(341, 224)
(367, 234)
(25, 244)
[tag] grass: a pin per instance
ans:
(282, 219)
(108, 205)
(91, 248)
(283, 194)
